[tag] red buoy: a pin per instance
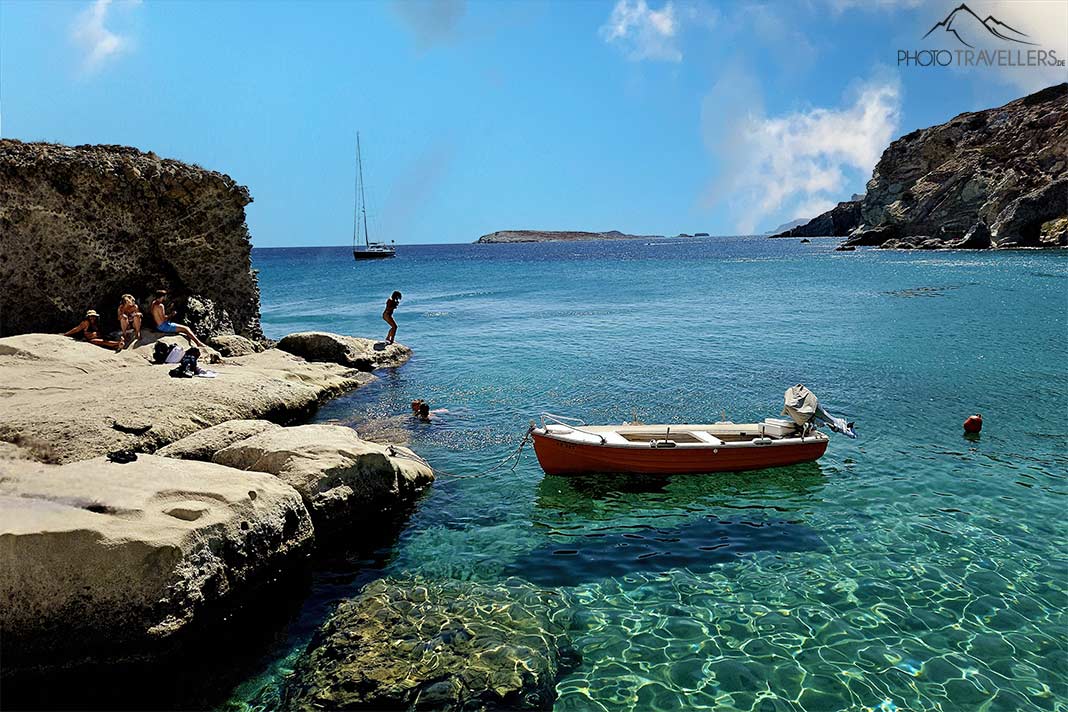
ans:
(973, 424)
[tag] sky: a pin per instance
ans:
(645, 116)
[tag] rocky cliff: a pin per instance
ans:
(82, 225)
(992, 178)
(556, 236)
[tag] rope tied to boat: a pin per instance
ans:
(513, 457)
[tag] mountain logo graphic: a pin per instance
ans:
(965, 25)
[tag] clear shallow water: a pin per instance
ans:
(909, 569)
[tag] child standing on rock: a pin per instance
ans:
(387, 316)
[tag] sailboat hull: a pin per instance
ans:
(373, 254)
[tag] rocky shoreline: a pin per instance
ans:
(106, 559)
(996, 178)
(140, 514)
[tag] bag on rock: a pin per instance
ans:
(187, 368)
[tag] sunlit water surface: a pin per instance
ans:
(911, 569)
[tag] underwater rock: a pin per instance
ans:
(413, 644)
(340, 476)
(351, 351)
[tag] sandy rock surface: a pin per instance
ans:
(356, 352)
(66, 400)
(204, 444)
(102, 560)
(234, 345)
(339, 475)
(410, 644)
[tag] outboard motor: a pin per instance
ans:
(804, 409)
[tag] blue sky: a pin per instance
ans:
(638, 115)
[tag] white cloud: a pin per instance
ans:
(99, 43)
(642, 32)
(787, 166)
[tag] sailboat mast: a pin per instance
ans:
(363, 200)
(356, 197)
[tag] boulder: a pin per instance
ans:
(83, 225)
(103, 561)
(62, 398)
(1055, 233)
(234, 345)
(204, 444)
(351, 351)
(413, 644)
(978, 238)
(871, 236)
(340, 476)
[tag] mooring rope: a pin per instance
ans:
(513, 457)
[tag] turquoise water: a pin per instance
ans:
(911, 569)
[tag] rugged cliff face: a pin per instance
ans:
(82, 225)
(993, 178)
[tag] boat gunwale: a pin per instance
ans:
(765, 441)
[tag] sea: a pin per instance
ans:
(914, 568)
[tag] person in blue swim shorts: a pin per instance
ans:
(165, 325)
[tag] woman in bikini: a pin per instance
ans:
(129, 317)
(90, 331)
(387, 316)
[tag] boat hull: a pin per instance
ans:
(560, 457)
(371, 255)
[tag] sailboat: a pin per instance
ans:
(369, 250)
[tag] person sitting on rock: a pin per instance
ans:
(89, 328)
(164, 325)
(387, 316)
(129, 317)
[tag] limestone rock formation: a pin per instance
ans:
(410, 644)
(336, 472)
(1005, 167)
(557, 236)
(83, 225)
(204, 444)
(66, 400)
(352, 351)
(234, 345)
(836, 222)
(106, 561)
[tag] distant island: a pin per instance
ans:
(557, 236)
(788, 226)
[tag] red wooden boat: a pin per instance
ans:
(569, 447)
